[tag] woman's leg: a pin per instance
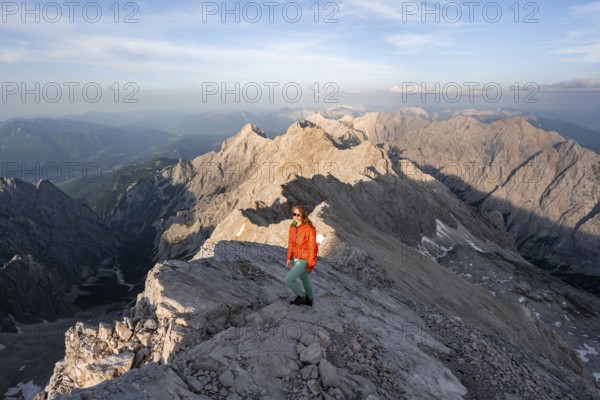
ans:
(307, 285)
(298, 268)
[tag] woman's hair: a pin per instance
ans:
(304, 214)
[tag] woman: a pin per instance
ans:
(302, 247)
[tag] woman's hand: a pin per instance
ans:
(288, 262)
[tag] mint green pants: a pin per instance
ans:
(299, 271)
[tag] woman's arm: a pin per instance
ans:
(312, 248)
(290, 245)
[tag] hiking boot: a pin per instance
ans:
(308, 302)
(298, 300)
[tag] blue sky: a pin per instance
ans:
(170, 51)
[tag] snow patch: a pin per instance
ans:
(121, 278)
(474, 246)
(557, 324)
(22, 368)
(597, 376)
(320, 238)
(28, 390)
(76, 291)
(426, 240)
(440, 250)
(241, 230)
(521, 300)
(441, 229)
(586, 351)
(423, 251)
(2, 347)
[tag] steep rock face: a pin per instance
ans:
(30, 292)
(221, 327)
(44, 222)
(546, 187)
(164, 206)
(46, 238)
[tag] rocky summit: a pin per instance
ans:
(222, 328)
(418, 294)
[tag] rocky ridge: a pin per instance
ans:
(221, 328)
(545, 187)
(382, 232)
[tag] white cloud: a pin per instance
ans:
(12, 55)
(581, 45)
(585, 53)
(583, 10)
(375, 9)
(414, 43)
(169, 62)
(579, 85)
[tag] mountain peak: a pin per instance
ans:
(251, 129)
(249, 133)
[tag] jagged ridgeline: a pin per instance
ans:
(389, 321)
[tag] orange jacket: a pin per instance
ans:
(302, 244)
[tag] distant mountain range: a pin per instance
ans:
(64, 150)
(120, 138)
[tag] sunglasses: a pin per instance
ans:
(295, 214)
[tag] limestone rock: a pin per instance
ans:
(104, 331)
(311, 354)
(315, 387)
(328, 374)
(123, 331)
(149, 382)
(309, 371)
(259, 355)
